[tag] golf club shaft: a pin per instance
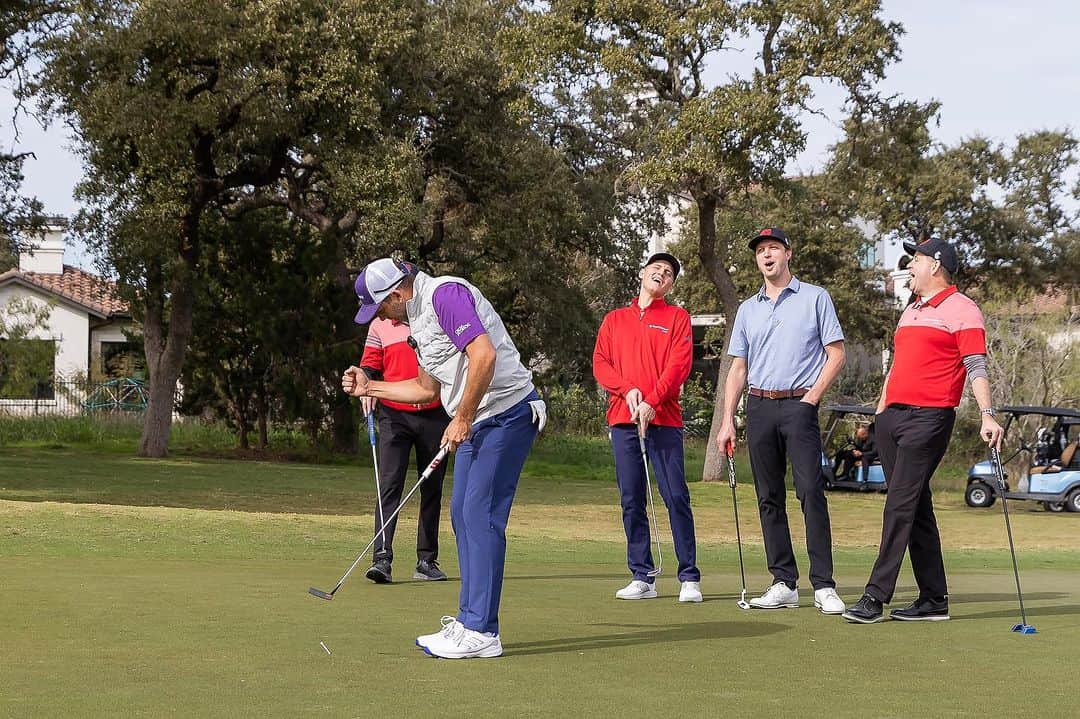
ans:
(375, 461)
(443, 451)
(655, 528)
(735, 507)
(996, 459)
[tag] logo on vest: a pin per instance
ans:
(462, 328)
(663, 329)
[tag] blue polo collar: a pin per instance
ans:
(794, 286)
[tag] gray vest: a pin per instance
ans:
(439, 357)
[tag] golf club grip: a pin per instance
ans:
(371, 426)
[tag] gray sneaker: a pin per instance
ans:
(429, 571)
(380, 572)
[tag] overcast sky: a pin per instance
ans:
(999, 68)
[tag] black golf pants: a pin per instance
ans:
(778, 430)
(911, 442)
(399, 433)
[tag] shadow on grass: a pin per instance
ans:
(614, 577)
(1013, 613)
(635, 635)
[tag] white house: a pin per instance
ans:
(86, 318)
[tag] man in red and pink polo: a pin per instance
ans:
(939, 343)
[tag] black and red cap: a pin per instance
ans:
(770, 233)
(937, 249)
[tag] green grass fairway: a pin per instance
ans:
(148, 589)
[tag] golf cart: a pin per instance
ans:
(869, 479)
(1052, 466)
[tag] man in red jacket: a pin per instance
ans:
(642, 358)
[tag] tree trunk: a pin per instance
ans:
(344, 429)
(717, 269)
(165, 350)
(261, 410)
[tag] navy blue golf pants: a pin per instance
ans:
(664, 447)
(486, 472)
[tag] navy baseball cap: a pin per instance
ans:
(375, 283)
(770, 233)
(665, 257)
(938, 249)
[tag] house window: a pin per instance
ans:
(122, 359)
(27, 369)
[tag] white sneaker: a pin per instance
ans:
(690, 592)
(637, 589)
(778, 596)
(464, 643)
(448, 625)
(828, 601)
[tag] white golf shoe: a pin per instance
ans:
(690, 592)
(637, 589)
(828, 601)
(448, 625)
(778, 596)
(464, 643)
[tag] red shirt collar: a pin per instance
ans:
(940, 297)
(658, 302)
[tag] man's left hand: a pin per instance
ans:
(458, 431)
(991, 432)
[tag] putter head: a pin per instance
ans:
(1024, 629)
(328, 596)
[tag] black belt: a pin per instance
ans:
(778, 393)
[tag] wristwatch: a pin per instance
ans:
(990, 411)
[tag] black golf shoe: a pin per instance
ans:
(865, 611)
(429, 571)
(923, 609)
(380, 572)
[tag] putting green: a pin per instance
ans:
(147, 612)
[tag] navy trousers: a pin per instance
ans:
(486, 472)
(664, 447)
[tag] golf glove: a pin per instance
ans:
(539, 414)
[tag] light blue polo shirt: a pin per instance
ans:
(783, 342)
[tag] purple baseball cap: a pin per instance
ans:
(375, 283)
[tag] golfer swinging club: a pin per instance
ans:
(467, 358)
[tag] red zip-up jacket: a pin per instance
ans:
(650, 349)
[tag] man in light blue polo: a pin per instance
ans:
(787, 343)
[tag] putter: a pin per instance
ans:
(1023, 627)
(443, 451)
(375, 460)
(654, 528)
(743, 604)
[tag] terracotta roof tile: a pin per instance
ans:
(93, 292)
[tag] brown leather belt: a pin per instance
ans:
(778, 393)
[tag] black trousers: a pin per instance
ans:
(399, 433)
(778, 430)
(911, 442)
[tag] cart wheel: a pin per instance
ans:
(1072, 502)
(978, 495)
(1054, 506)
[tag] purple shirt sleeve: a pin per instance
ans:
(456, 310)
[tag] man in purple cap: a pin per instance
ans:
(468, 360)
